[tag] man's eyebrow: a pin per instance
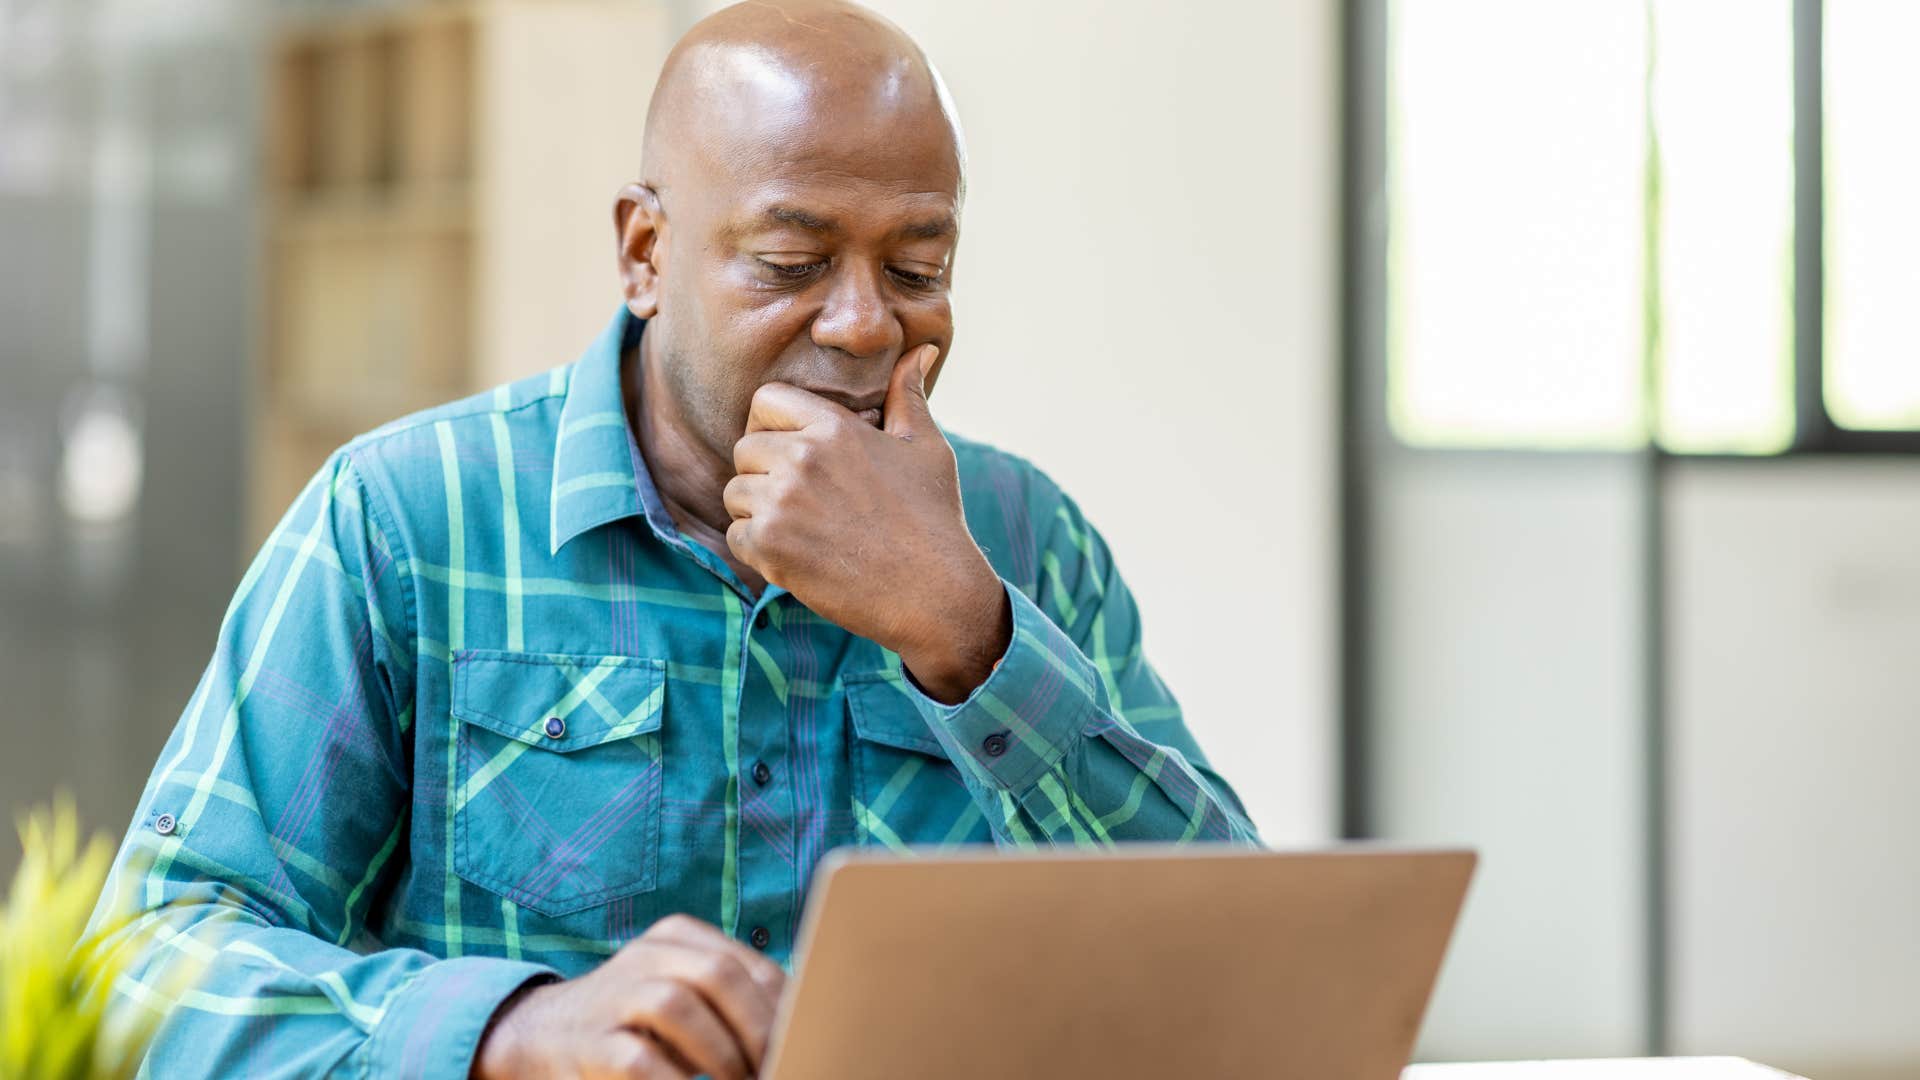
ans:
(935, 229)
(939, 228)
(787, 215)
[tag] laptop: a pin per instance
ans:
(1136, 963)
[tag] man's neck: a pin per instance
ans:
(687, 474)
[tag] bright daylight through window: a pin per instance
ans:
(1591, 238)
(1872, 214)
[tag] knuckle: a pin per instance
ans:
(740, 535)
(646, 997)
(638, 1058)
(722, 972)
(675, 1004)
(805, 452)
(772, 974)
(657, 1003)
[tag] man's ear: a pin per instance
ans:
(639, 229)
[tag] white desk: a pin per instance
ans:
(1715, 1068)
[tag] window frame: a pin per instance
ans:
(1816, 432)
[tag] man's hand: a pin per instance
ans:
(681, 1000)
(864, 527)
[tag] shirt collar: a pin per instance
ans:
(597, 475)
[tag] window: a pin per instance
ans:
(1516, 194)
(1872, 214)
(1591, 223)
(1721, 211)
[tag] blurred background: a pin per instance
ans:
(1508, 414)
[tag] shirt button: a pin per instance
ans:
(760, 937)
(994, 744)
(761, 620)
(761, 774)
(164, 824)
(556, 727)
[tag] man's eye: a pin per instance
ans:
(794, 271)
(914, 280)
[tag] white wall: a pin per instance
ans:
(1146, 300)
(1507, 667)
(1795, 726)
(1508, 671)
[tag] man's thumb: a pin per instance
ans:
(906, 411)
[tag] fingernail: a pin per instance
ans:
(928, 353)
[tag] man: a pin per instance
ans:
(525, 732)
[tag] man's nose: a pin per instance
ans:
(856, 318)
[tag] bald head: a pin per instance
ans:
(765, 71)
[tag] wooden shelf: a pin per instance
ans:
(438, 178)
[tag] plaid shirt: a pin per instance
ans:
(479, 713)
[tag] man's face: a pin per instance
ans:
(814, 249)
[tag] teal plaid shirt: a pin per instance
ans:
(479, 713)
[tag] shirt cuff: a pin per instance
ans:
(1027, 716)
(433, 1025)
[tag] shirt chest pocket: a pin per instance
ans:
(906, 790)
(558, 777)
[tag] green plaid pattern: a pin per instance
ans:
(478, 713)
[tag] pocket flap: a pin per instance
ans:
(884, 713)
(596, 699)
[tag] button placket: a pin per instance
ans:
(767, 892)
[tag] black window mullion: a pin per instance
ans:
(1813, 428)
(1816, 431)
